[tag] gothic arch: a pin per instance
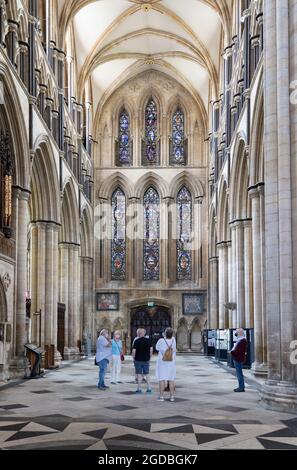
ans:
(182, 335)
(186, 179)
(110, 184)
(45, 203)
(239, 183)
(151, 179)
(213, 237)
(257, 140)
(223, 231)
(15, 124)
(69, 232)
(3, 303)
(86, 234)
(196, 336)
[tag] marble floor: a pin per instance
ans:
(65, 410)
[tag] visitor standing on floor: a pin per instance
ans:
(103, 355)
(116, 350)
(239, 354)
(136, 337)
(166, 367)
(142, 353)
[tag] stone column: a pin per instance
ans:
(223, 283)
(51, 294)
(280, 390)
(232, 267)
(213, 293)
(21, 271)
(64, 286)
(239, 263)
(248, 274)
(259, 367)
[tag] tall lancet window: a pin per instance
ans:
(6, 177)
(178, 143)
(151, 243)
(184, 234)
(124, 143)
(118, 242)
(151, 144)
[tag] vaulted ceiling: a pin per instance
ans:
(117, 39)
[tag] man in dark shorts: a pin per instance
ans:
(142, 353)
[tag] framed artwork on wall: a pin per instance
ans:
(106, 301)
(193, 304)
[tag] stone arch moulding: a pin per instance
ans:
(159, 301)
(193, 184)
(3, 303)
(15, 124)
(151, 178)
(109, 185)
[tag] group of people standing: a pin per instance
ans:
(142, 351)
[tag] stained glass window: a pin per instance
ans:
(124, 143)
(184, 241)
(178, 148)
(151, 243)
(151, 147)
(118, 243)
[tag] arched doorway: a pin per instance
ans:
(154, 320)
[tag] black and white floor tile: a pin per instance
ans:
(65, 410)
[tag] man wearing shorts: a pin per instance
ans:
(142, 353)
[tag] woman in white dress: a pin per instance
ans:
(166, 369)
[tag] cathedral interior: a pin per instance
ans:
(148, 179)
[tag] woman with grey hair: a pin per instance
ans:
(103, 354)
(166, 367)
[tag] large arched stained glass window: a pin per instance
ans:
(184, 234)
(151, 243)
(124, 151)
(178, 148)
(118, 242)
(151, 144)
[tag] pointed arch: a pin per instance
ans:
(109, 185)
(3, 303)
(223, 231)
(239, 182)
(69, 232)
(151, 179)
(45, 201)
(86, 233)
(193, 183)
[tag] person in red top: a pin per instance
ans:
(239, 353)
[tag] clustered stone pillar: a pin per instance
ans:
(44, 275)
(280, 390)
(22, 198)
(213, 292)
(260, 363)
(223, 283)
(69, 295)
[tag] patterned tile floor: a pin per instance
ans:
(65, 410)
